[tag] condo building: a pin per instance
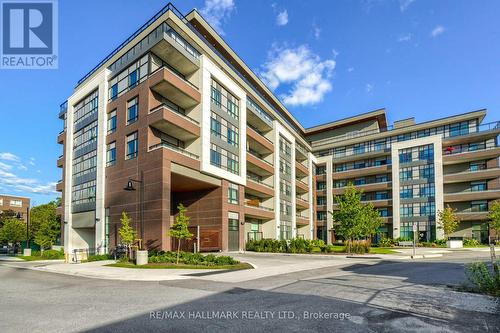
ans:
(174, 116)
(15, 206)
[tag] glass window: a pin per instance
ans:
(132, 110)
(216, 96)
(112, 121)
(360, 181)
(232, 137)
(382, 195)
(215, 158)
(16, 203)
(321, 201)
(478, 186)
(321, 170)
(479, 206)
(384, 212)
(406, 192)
(215, 127)
(232, 194)
(477, 166)
(321, 186)
(132, 146)
(232, 165)
(114, 91)
(132, 79)
(111, 154)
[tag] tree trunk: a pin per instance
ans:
(178, 249)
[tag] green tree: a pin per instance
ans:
(494, 216)
(127, 233)
(45, 224)
(448, 220)
(6, 214)
(13, 231)
(179, 229)
(354, 219)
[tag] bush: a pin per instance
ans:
(98, 257)
(189, 258)
(358, 246)
(52, 254)
(386, 242)
(484, 280)
(471, 242)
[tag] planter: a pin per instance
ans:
(141, 257)
(455, 243)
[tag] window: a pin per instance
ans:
(339, 152)
(215, 127)
(359, 149)
(232, 108)
(111, 154)
(132, 146)
(381, 179)
(478, 186)
(427, 190)
(384, 212)
(340, 183)
(406, 210)
(426, 153)
(215, 158)
(232, 194)
(320, 201)
(406, 192)
(477, 146)
(426, 171)
(132, 110)
(459, 129)
(232, 165)
(427, 209)
(132, 79)
(360, 181)
(477, 166)
(321, 170)
(380, 145)
(479, 206)
(405, 174)
(321, 186)
(232, 137)
(112, 121)
(382, 195)
(16, 203)
(114, 91)
(321, 216)
(216, 96)
(359, 165)
(405, 156)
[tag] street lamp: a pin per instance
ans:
(130, 187)
(19, 216)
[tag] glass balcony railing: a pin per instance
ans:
(257, 180)
(466, 148)
(174, 148)
(259, 207)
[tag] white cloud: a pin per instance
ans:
(404, 4)
(305, 72)
(216, 12)
(4, 166)
(369, 87)
(317, 32)
(9, 157)
(350, 69)
(282, 18)
(404, 38)
(335, 53)
(10, 181)
(438, 30)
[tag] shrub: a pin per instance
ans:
(471, 242)
(330, 248)
(53, 254)
(189, 258)
(299, 245)
(98, 257)
(484, 280)
(386, 242)
(358, 246)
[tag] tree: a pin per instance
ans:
(354, 219)
(45, 224)
(448, 220)
(13, 231)
(6, 214)
(494, 216)
(127, 233)
(179, 229)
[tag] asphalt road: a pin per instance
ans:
(391, 296)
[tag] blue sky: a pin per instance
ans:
(325, 59)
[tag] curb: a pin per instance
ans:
(423, 256)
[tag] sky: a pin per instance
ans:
(324, 59)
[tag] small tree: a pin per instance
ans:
(179, 229)
(355, 219)
(45, 217)
(127, 233)
(13, 231)
(448, 220)
(47, 234)
(6, 214)
(494, 216)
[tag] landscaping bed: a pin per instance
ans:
(46, 255)
(238, 266)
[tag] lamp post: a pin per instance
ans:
(130, 187)
(27, 250)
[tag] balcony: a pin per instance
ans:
(170, 85)
(472, 195)
(469, 176)
(61, 137)
(366, 153)
(369, 171)
(482, 132)
(301, 187)
(257, 165)
(177, 150)
(301, 204)
(377, 203)
(301, 219)
(301, 169)
(60, 161)
(472, 216)
(173, 122)
(301, 152)
(259, 143)
(255, 210)
(462, 154)
(63, 108)
(257, 117)
(60, 186)
(365, 187)
(257, 188)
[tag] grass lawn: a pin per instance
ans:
(35, 258)
(242, 265)
(381, 250)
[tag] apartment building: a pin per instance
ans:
(15, 205)
(173, 116)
